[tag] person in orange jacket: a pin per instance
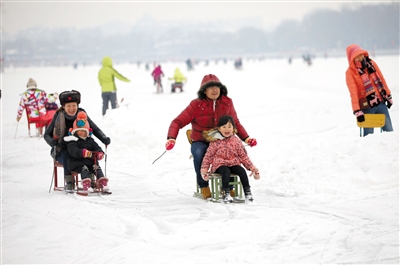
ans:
(368, 89)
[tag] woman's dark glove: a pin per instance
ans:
(359, 115)
(389, 101)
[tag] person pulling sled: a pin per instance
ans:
(179, 79)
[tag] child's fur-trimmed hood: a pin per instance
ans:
(214, 135)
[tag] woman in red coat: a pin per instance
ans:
(203, 113)
(367, 86)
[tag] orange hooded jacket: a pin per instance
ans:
(354, 81)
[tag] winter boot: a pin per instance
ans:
(248, 195)
(232, 193)
(226, 196)
(69, 183)
(87, 185)
(86, 179)
(103, 183)
(205, 191)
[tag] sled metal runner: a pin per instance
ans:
(96, 192)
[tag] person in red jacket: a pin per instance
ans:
(367, 86)
(157, 74)
(203, 113)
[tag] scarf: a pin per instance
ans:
(60, 130)
(372, 98)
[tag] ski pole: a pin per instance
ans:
(105, 163)
(52, 178)
(16, 131)
(159, 156)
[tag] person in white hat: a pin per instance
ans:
(33, 100)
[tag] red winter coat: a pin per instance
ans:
(203, 115)
(157, 72)
(226, 152)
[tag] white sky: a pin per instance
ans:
(18, 15)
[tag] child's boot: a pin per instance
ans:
(69, 183)
(226, 196)
(248, 195)
(86, 180)
(205, 191)
(103, 183)
(87, 185)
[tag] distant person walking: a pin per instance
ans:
(189, 64)
(367, 86)
(157, 74)
(107, 83)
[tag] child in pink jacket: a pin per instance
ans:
(226, 155)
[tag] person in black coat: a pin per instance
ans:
(59, 127)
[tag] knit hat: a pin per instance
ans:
(209, 81)
(70, 96)
(81, 123)
(31, 83)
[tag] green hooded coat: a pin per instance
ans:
(107, 74)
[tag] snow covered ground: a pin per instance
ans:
(325, 194)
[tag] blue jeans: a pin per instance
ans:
(380, 109)
(198, 150)
(62, 158)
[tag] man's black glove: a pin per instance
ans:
(107, 141)
(359, 115)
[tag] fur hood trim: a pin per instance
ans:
(214, 135)
(70, 138)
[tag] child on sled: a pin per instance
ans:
(82, 149)
(225, 155)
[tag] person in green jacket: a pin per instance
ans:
(107, 83)
(179, 79)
